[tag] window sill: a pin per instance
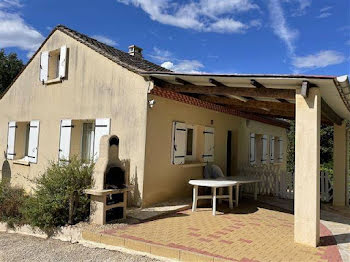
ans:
(21, 162)
(53, 81)
(277, 163)
(193, 164)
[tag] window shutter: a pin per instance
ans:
(102, 128)
(33, 141)
(209, 145)
(272, 149)
(63, 59)
(264, 149)
(252, 149)
(280, 157)
(179, 138)
(11, 140)
(44, 66)
(65, 137)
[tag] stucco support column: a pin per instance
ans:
(307, 168)
(339, 165)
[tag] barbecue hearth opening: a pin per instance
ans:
(115, 178)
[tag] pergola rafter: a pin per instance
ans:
(287, 94)
(246, 99)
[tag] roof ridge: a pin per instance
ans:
(135, 64)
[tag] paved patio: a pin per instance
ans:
(247, 233)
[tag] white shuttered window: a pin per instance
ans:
(179, 143)
(33, 142)
(281, 148)
(62, 62)
(252, 147)
(44, 66)
(65, 137)
(272, 149)
(208, 155)
(11, 136)
(264, 154)
(102, 128)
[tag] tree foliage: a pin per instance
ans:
(11, 202)
(326, 150)
(10, 66)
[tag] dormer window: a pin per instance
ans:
(53, 65)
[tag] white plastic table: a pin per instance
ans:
(242, 180)
(213, 184)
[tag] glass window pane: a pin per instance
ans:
(27, 140)
(87, 144)
(189, 150)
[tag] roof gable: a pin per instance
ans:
(137, 65)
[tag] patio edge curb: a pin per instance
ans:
(151, 248)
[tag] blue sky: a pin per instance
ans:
(217, 36)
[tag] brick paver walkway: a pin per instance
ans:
(247, 234)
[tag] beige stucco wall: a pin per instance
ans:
(164, 181)
(95, 88)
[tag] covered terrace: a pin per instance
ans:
(310, 100)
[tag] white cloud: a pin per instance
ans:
(227, 25)
(105, 40)
(325, 9)
(169, 61)
(280, 26)
(299, 7)
(184, 66)
(10, 3)
(161, 55)
(200, 15)
(324, 15)
(303, 4)
(324, 12)
(14, 31)
(321, 59)
(168, 65)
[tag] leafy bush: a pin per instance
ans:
(59, 197)
(11, 202)
(328, 168)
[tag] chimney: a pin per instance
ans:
(135, 51)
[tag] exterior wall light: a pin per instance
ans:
(151, 103)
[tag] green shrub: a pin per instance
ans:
(11, 202)
(328, 168)
(59, 196)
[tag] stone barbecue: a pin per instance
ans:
(110, 184)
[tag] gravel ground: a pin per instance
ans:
(15, 247)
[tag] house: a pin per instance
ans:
(75, 89)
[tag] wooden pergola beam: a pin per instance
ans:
(271, 113)
(219, 84)
(256, 84)
(181, 81)
(288, 94)
(215, 82)
(251, 103)
(282, 100)
(329, 113)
